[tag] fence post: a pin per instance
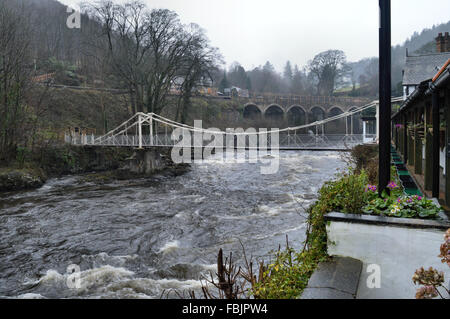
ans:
(364, 131)
(346, 126)
(140, 130)
(151, 129)
(317, 135)
(351, 124)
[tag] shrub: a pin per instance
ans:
(286, 276)
(363, 155)
(347, 194)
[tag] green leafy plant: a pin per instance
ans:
(395, 204)
(402, 206)
(348, 193)
(286, 276)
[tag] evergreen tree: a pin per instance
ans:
(224, 83)
(297, 86)
(248, 85)
(288, 71)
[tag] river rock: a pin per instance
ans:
(18, 179)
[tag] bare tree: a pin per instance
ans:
(125, 36)
(200, 61)
(169, 44)
(14, 78)
(147, 49)
(328, 67)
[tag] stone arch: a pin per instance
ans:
(252, 111)
(335, 110)
(296, 115)
(336, 126)
(274, 112)
(317, 113)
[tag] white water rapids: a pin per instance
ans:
(137, 238)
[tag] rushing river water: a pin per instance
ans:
(135, 239)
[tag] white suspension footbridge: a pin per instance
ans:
(144, 130)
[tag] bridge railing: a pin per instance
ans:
(306, 100)
(285, 141)
(79, 139)
(144, 130)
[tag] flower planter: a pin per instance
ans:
(398, 246)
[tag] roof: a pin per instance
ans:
(423, 67)
(427, 87)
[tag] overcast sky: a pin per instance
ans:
(254, 31)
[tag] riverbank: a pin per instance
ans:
(101, 164)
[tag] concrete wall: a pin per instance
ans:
(399, 251)
(145, 162)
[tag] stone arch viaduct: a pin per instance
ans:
(299, 110)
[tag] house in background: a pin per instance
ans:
(419, 68)
(234, 91)
(202, 87)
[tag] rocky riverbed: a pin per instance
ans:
(98, 165)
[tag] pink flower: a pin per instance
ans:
(392, 185)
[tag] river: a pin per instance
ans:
(138, 238)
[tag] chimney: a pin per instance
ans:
(443, 43)
(440, 43)
(447, 42)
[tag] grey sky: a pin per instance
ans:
(254, 31)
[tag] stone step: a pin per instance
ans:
(335, 279)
